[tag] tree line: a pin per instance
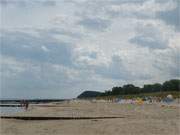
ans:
(128, 89)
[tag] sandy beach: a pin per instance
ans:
(146, 119)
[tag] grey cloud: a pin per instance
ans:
(90, 14)
(164, 1)
(42, 49)
(103, 8)
(150, 42)
(93, 55)
(117, 70)
(96, 24)
(171, 17)
(168, 62)
(14, 2)
(149, 36)
(114, 70)
(130, 14)
(108, 1)
(127, 1)
(58, 31)
(23, 3)
(49, 3)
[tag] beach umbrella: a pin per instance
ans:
(170, 96)
(168, 99)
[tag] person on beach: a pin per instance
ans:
(26, 105)
(22, 103)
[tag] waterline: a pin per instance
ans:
(10, 110)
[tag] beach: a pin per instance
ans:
(136, 119)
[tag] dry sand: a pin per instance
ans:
(148, 119)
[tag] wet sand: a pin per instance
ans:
(144, 119)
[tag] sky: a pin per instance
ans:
(60, 48)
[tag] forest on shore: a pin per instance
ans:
(130, 89)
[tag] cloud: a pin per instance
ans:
(23, 3)
(49, 3)
(115, 70)
(96, 24)
(12, 2)
(152, 36)
(123, 69)
(28, 47)
(171, 17)
(150, 42)
(168, 63)
(127, 1)
(139, 9)
(169, 60)
(45, 48)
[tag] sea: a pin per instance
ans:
(4, 110)
(10, 110)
